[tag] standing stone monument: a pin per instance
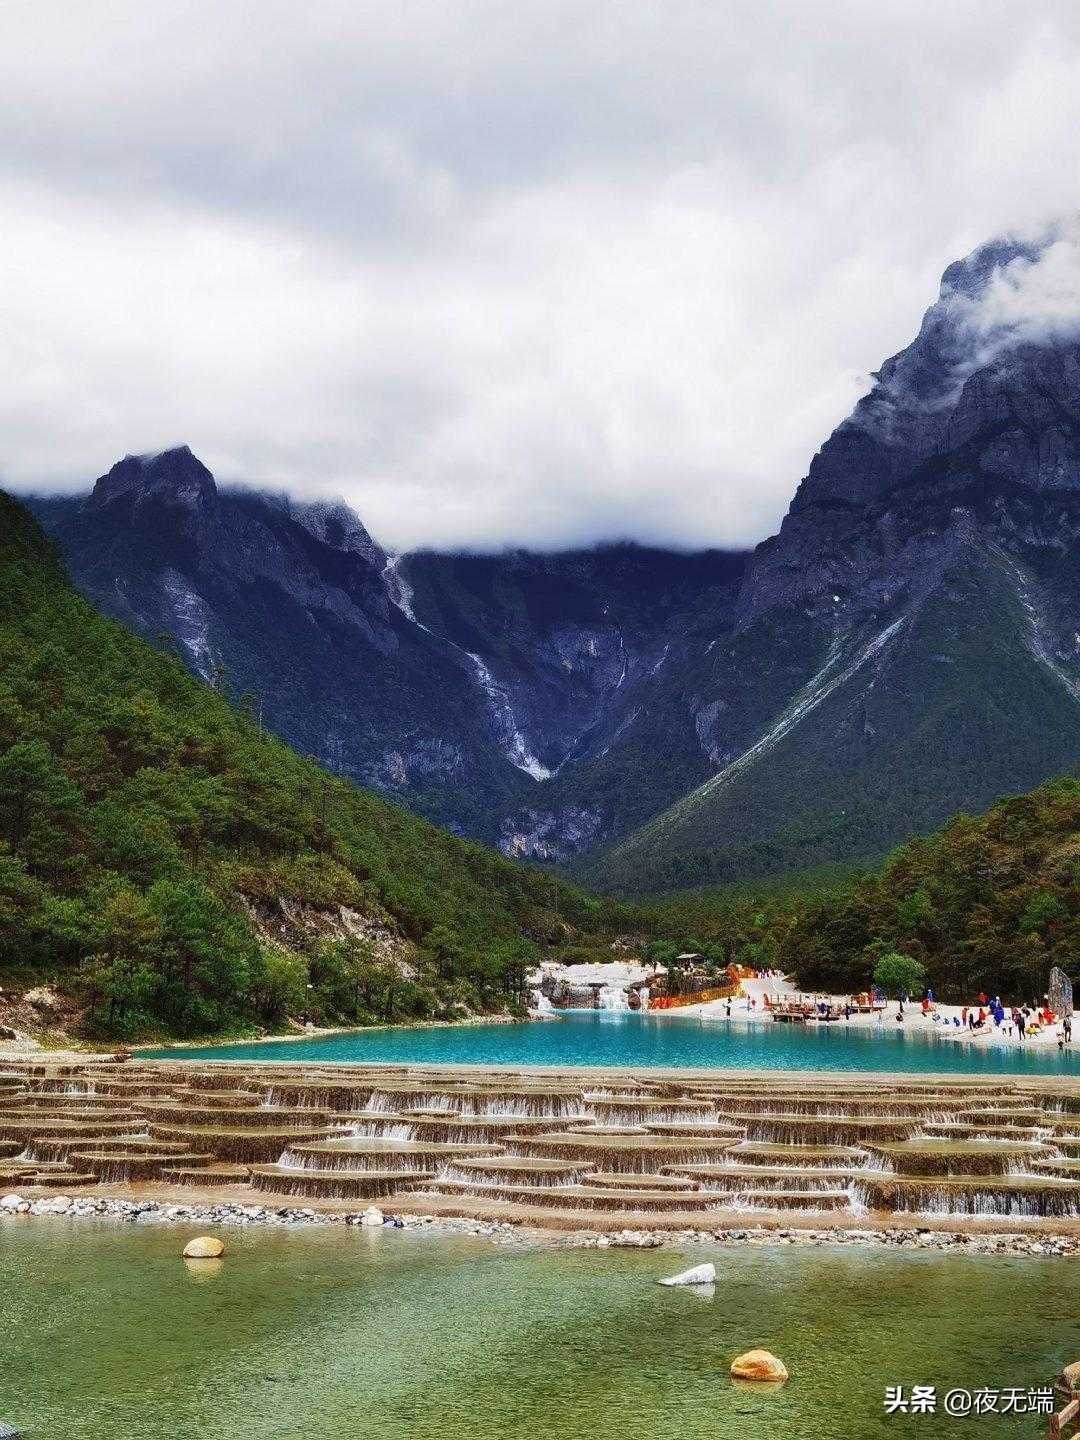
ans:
(1060, 993)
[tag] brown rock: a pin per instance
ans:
(204, 1247)
(758, 1365)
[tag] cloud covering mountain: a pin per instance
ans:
(539, 274)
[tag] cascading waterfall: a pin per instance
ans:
(369, 1130)
(386, 1104)
(515, 746)
(513, 742)
(856, 1200)
(399, 589)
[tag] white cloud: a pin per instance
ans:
(1033, 299)
(537, 274)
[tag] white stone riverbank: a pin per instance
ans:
(16, 1208)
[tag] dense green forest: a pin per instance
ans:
(148, 828)
(988, 903)
(153, 837)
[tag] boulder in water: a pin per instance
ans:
(699, 1275)
(204, 1247)
(758, 1365)
(371, 1217)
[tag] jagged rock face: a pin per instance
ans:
(962, 411)
(907, 646)
(285, 603)
(334, 524)
(467, 687)
(569, 637)
(175, 479)
(926, 585)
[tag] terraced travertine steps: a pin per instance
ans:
(736, 1179)
(120, 1164)
(251, 1117)
(263, 1143)
(47, 1148)
(336, 1184)
(445, 1128)
(206, 1174)
(957, 1158)
(646, 1198)
(835, 1129)
(753, 1152)
(1003, 1195)
(588, 1147)
(627, 1153)
(693, 1129)
(619, 1185)
(1067, 1167)
(639, 1110)
(513, 1170)
(63, 1177)
(359, 1155)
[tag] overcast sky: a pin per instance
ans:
(524, 272)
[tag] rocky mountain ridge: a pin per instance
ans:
(906, 646)
(462, 685)
(928, 561)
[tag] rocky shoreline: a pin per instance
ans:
(16, 1207)
(320, 1032)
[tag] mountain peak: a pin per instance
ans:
(172, 477)
(999, 345)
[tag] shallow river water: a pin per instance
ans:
(334, 1333)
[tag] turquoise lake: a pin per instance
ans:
(347, 1334)
(607, 1039)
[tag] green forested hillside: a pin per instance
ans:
(152, 837)
(957, 708)
(146, 824)
(989, 903)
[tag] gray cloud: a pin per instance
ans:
(537, 274)
(1033, 299)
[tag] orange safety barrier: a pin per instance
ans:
(673, 1002)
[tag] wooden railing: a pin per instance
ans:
(1065, 1387)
